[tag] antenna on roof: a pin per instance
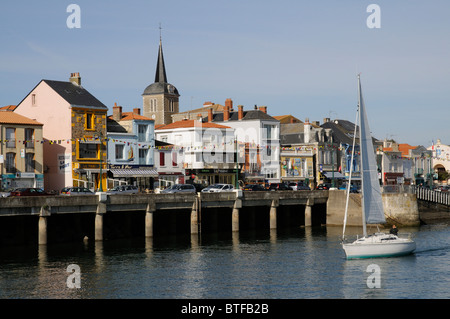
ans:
(160, 32)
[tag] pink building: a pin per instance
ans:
(74, 132)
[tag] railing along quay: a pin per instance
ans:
(422, 193)
(429, 195)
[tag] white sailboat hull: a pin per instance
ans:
(379, 245)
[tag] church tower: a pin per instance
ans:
(160, 99)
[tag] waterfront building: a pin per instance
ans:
(308, 153)
(396, 169)
(131, 141)
(21, 151)
(258, 137)
(441, 160)
(193, 114)
(207, 150)
(287, 119)
(160, 99)
(169, 164)
(74, 131)
(342, 133)
(403, 164)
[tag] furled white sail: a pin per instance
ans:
(372, 201)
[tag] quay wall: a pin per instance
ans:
(399, 209)
(98, 217)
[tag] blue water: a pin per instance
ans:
(288, 264)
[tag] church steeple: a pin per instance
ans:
(160, 99)
(160, 76)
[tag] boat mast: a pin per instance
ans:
(361, 164)
(350, 174)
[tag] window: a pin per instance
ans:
(174, 159)
(142, 133)
(153, 105)
(143, 155)
(162, 159)
(88, 150)
(10, 137)
(10, 162)
(268, 131)
(164, 138)
(29, 162)
(33, 99)
(89, 121)
(29, 138)
(119, 151)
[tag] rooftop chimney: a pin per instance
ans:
(226, 113)
(326, 120)
(75, 78)
(210, 114)
(208, 104)
(137, 111)
(117, 112)
(307, 130)
(263, 109)
(240, 112)
(229, 104)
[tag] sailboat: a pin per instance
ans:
(379, 244)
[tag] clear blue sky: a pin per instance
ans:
(295, 57)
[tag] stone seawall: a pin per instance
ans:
(399, 209)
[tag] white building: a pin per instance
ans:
(207, 150)
(258, 136)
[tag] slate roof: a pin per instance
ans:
(74, 94)
(342, 131)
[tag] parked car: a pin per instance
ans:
(179, 188)
(299, 186)
(76, 191)
(218, 188)
(302, 187)
(279, 187)
(6, 193)
(323, 187)
(28, 191)
(124, 189)
(443, 188)
(353, 188)
(253, 187)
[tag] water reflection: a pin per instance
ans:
(293, 263)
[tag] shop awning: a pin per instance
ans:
(337, 175)
(133, 172)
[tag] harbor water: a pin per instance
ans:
(298, 263)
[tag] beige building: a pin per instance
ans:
(21, 151)
(160, 99)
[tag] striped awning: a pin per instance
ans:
(134, 172)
